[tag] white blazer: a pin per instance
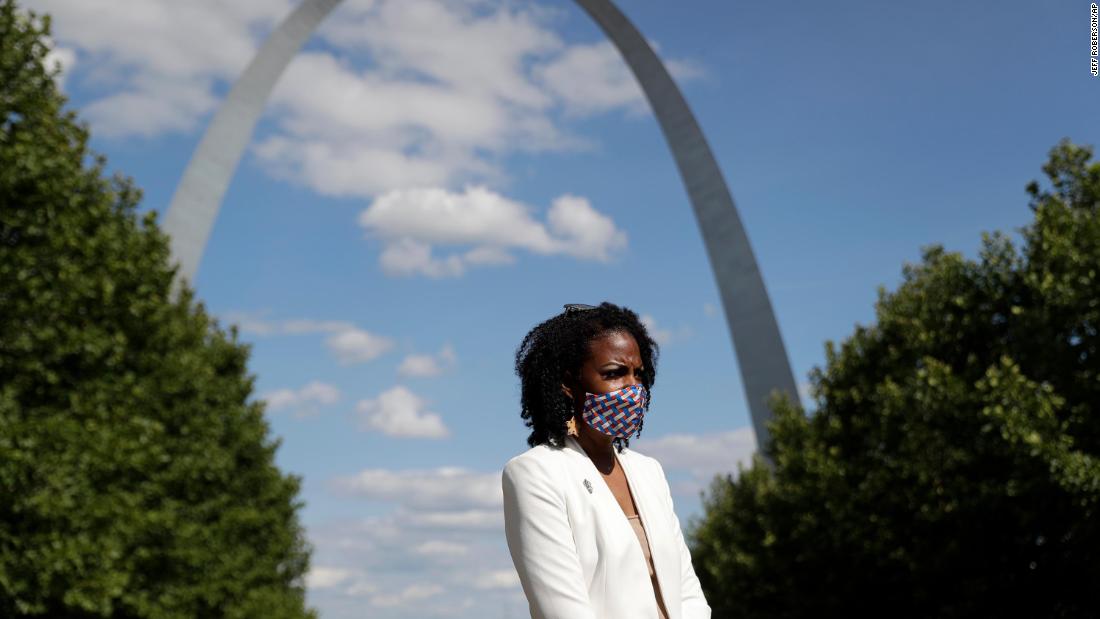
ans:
(575, 551)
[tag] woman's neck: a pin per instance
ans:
(600, 450)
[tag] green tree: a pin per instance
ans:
(136, 479)
(952, 465)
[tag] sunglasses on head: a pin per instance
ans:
(577, 307)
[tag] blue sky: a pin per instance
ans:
(850, 134)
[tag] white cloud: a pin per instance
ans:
(450, 87)
(156, 105)
(590, 79)
(254, 323)
(475, 216)
(444, 488)
(400, 412)
(61, 58)
(488, 255)
(410, 593)
(357, 346)
(411, 221)
(347, 343)
(305, 326)
(321, 577)
(479, 45)
(710, 309)
(407, 95)
(405, 257)
(161, 60)
(806, 396)
(281, 398)
(469, 519)
(498, 579)
(448, 91)
(701, 456)
(427, 365)
(584, 232)
(390, 552)
(661, 335)
(441, 548)
(360, 588)
(304, 401)
(419, 365)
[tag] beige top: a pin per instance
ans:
(636, 522)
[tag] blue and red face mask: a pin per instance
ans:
(616, 413)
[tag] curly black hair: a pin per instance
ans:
(556, 349)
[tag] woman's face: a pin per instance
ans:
(613, 362)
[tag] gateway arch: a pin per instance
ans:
(761, 356)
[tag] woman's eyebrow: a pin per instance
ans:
(612, 365)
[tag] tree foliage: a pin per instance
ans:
(136, 480)
(952, 465)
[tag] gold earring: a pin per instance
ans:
(571, 427)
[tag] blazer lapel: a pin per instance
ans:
(642, 487)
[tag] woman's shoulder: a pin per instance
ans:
(536, 458)
(639, 459)
(542, 459)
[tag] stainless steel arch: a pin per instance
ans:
(762, 358)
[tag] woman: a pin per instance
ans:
(589, 522)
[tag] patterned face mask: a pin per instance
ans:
(616, 413)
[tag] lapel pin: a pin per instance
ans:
(588, 485)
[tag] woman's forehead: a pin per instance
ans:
(614, 346)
